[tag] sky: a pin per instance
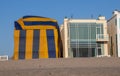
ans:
(12, 10)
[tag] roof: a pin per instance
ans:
(34, 22)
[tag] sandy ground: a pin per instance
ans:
(61, 67)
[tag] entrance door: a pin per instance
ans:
(98, 51)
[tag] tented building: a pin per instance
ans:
(36, 37)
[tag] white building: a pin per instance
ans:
(84, 37)
(114, 34)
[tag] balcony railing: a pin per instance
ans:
(102, 37)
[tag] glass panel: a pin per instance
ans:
(72, 33)
(83, 39)
(98, 30)
(93, 52)
(83, 32)
(83, 52)
(101, 28)
(98, 44)
(93, 32)
(99, 51)
(74, 52)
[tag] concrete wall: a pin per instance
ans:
(113, 30)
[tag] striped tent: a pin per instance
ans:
(36, 37)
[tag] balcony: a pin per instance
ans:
(102, 38)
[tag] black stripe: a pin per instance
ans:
(38, 23)
(22, 43)
(51, 44)
(33, 16)
(36, 38)
(17, 26)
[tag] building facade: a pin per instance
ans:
(84, 37)
(114, 34)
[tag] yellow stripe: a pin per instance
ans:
(43, 52)
(56, 41)
(20, 21)
(34, 26)
(29, 44)
(39, 27)
(16, 44)
(39, 19)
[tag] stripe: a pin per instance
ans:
(51, 44)
(22, 42)
(31, 27)
(38, 23)
(33, 16)
(56, 42)
(38, 27)
(38, 19)
(16, 44)
(43, 52)
(29, 42)
(36, 40)
(17, 26)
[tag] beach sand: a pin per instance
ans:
(61, 67)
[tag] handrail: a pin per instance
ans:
(102, 37)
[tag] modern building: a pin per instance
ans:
(84, 37)
(36, 37)
(114, 34)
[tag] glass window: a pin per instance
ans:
(98, 45)
(83, 36)
(93, 32)
(98, 30)
(85, 30)
(72, 32)
(99, 51)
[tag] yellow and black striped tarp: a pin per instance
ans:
(36, 37)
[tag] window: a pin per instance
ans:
(83, 39)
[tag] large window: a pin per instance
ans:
(82, 39)
(84, 31)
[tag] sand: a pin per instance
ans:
(61, 67)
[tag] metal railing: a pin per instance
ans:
(102, 37)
